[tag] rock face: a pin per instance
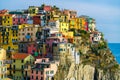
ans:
(87, 72)
(96, 63)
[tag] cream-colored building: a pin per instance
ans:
(3, 66)
(64, 48)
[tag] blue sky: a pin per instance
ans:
(106, 12)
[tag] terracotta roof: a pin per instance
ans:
(20, 55)
(5, 15)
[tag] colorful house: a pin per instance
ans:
(47, 8)
(18, 65)
(10, 38)
(55, 15)
(91, 24)
(64, 27)
(44, 69)
(3, 66)
(73, 14)
(45, 33)
(54, 23)
(69, 36)
(22, 47)
(19, 19)
(37, 19)
(33, 10)
(31, 48)
(6, 19)
(70, 13)
(55, 38)
(27, 34)
(72, 23)
(95, 36)
(65, 48)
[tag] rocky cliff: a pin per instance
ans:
(96, 62)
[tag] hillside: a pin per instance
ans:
(96, 62)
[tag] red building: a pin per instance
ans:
(31, 48)
(86, 26)
(37, 19)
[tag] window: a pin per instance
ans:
(36, 77)
(51, 72)
(43, 60)
(28, 33)
(14, 66)
(23, 39)
(32, 71)
(14, 72)
(14, 61)
(22, 72)
(47, 72)
(0, 63)
(22, 33)
(36, 71)
(41, 78)
(32, 77)
(60, 49)
(22, 61)
(31, 39)
(22, 67)
(47, 66)
(41, 72)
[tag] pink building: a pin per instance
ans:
(31, 48)
(44, 69)
(19, 19)
(55, 38)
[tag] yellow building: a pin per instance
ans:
(33, 10)
(82, 23)
(68, 34)
(7, 20)
(72, 23)
(24, 25)
(64, 27)
(18, 65)
(78, 23)
(64, 18)
(10, 38)
(55, 15)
